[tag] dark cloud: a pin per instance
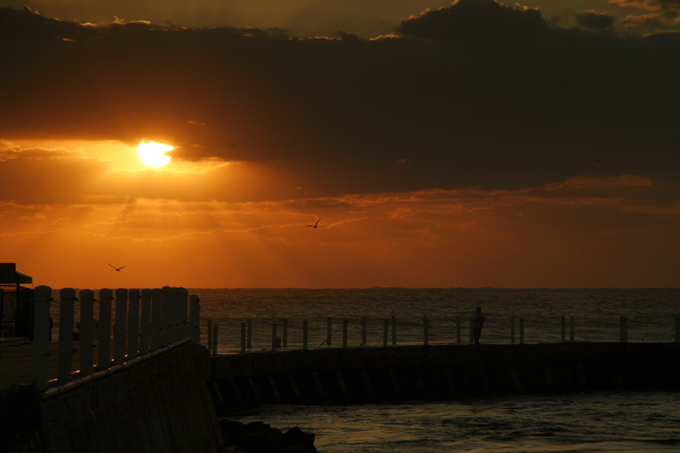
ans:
(594, 20)
(478, 18)
(27, 24)
(476, 94)
(666, 7)
(302, 17)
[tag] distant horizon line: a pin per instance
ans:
(507, 288)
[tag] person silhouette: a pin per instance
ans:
(477, 324)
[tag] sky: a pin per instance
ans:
(465, 144)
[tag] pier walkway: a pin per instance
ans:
(437, 372)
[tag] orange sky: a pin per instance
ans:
(480, 145)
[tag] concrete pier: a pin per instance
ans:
(147, 401)
(438, 372)
(159, 402)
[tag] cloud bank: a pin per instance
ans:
(475, 94)
(479, 143)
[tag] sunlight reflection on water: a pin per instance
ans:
(612, 422)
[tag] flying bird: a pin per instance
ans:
(117, 268)
(315, 225)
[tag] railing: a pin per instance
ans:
(280, 333)
(145, 321)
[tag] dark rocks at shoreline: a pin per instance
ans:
(259, 437)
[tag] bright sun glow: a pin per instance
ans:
(153, 154)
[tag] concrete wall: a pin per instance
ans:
(157, 403)
(442, 371)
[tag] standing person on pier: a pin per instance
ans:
(477, 323)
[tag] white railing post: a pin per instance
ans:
(86, 331)
(195, 319)
(174, 320)
(363, 330)
(133, 325)
(521, 330)
(564, 329)
(156, 320)
(67, 297)
(166, 316)
(120, 330)
(41, 335)
(145, 322)
(184, 314)
(179, 315)
(105, 298)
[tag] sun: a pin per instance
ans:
(153, 154)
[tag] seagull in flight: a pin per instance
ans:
(117, 268)
(315, 225)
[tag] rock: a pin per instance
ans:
(259, 437)
(296, 440)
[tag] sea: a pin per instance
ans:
(575, 422)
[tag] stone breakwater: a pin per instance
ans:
(159, 402)
(435, 372)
